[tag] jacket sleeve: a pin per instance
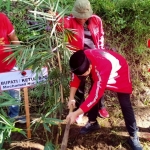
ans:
(63, 23)
(75, 81)
(101, 35)
(8, 25)
(100, 81)
(101, 32)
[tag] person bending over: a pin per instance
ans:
(114, 77)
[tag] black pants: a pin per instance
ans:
(127, 111)
(79, 96)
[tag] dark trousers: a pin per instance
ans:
(127, 111)
(79, 96)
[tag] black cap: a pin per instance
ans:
(79, 63)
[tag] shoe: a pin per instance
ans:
(135, 143)
(79, 119)
(103, 113)
(20, 119)
(89, 127)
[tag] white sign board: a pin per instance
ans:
(20, 79)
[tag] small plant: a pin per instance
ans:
(7, 125)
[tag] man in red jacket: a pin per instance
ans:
(89, 34)
(8, 36)
(109, 71)
(86, 26)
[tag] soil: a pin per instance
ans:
(111, 136)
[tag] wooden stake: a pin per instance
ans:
(66, 133)
(26, 101)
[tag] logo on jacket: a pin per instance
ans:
(96, 31)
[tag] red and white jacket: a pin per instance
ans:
(77, 41)
(6, 29)
(109, 72)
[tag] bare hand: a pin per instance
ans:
(71, 103)
(72, 117)
(2, 41)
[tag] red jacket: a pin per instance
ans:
(94, 26)
(6, 28)
(109, 72)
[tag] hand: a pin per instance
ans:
(72, 117)
(2, 41)
(71, 103)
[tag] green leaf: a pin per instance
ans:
(49, 146)
(46, 127)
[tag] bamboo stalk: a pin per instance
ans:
(61, 92)
(60, 68)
